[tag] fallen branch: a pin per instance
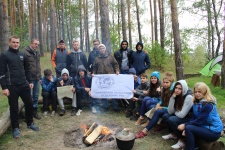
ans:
(5, 121)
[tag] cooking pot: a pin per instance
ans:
(125, 139)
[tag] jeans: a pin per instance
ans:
(22, 91)
(172, 122)
(196, 132)
(35, 92)
(147, 104)
(49, 97)
(82, 94)
(155, 118)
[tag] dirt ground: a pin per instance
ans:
(52, 132)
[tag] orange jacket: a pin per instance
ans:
(54, 57)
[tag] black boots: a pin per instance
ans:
(36, 114)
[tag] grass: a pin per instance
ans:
(52, 129)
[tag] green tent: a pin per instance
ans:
(206, 70)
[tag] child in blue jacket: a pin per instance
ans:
(49, 92)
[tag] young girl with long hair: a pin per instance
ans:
(205, 123)
(179, 107)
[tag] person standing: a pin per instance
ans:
(106, 64)
(93, 54)
(123, 57)
(75, 59)
(33, 58)
(15, 80)
(140, 60)
(59, 57)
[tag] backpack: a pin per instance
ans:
(190, 113)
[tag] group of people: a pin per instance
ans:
(188, 116)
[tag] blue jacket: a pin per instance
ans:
(47, 85)
(140, 61)
(205, 114)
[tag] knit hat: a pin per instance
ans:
(155, 74)
(65, 71)
(132, 71)
(101, 45)
(61, 41)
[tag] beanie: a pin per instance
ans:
(61, 41)
(132, 71)
(101, 45)
(155, 74)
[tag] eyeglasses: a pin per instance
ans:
(124, 44)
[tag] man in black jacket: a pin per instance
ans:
(93, 54)
(14, 78)
(123, 57)
(33, 58)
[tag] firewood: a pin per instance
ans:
(88, 132)
(94, 134)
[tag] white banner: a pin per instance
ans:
(112, 86)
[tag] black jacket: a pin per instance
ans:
(119, 54)
(14, 68)
(91, 58)
(33, 58)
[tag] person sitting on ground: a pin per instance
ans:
(179, 107)
(205, 122)
(152, 98)
(161, 107)
(83, 89)
(49, 93)
(138, 97)
(65, 80)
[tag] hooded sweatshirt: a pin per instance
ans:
(187, 105)
(69, 80)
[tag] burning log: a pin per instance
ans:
(88, 132)
(94, 134)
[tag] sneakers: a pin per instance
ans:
(33, 127)
(53, 113)
(94, 111)
(37, 116)
(16, 133)
(145, 124)
(140, 121)
(140, 134)
(62, 112)
(73, 112)
(169, 136)
(178, 145)
(45, 113)
(78, 112)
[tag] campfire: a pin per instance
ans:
(94, 135)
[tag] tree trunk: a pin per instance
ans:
(71, 28)
(52, 26)
(118, 21)
(96, 18)
(216, 25)
(104, 13)
(138, 21)
(177, 41)
(152, 26)
(4, 26)
(223, 60)
(161, 17)
(123, 20)
(129, 24)
(87, 28)
(5, 121)
(12, 16)
(40, 27)
(155, 21)
(209, 28)
(63, 21)
(81, 28)
(33, 20)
